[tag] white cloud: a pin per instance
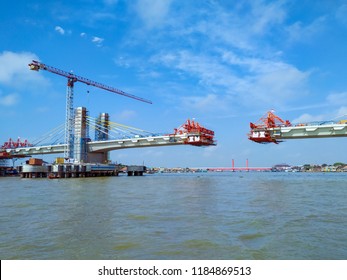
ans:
(341, 14)
(206, 103)
(240, 25)
(306, 118)
(342, 112)
(98, 41)
(274, 81)
(153, 12)
(240, 78)
(265, 15)
(43, 109)
(206, 68)
(123, 61)
(278, 86)
(124, 115)
(110, 2)
(234, 61)
(152, 153)
(14, 70)
(8, 100)
(300, 32)
(331, 115)
(150, 74)
(60, 30)
(335, 106)
(101, 17)
(210, 151)
(337, 98)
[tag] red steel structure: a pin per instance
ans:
(259, 131)
(10, 144)
(272, 129)
(203, 136)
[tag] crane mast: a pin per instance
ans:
(71, 80)
(68, 153)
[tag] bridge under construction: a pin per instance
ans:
(108, 136)
(74, 140)
(272, 129)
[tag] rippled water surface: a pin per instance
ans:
(186, 216)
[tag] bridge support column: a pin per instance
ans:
(101, 134)
(81, 131)
(101, 157)
(136, 170)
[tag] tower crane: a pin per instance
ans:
(71, 80)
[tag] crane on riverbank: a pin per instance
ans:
(71, 80)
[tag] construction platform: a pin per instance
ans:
(67, 171)
(35, 168)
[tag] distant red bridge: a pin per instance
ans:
(233, 168)
(221, 169)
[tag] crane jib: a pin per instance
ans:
(72, 78)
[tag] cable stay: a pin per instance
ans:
(115, 130)
(53, 137)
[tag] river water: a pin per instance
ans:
(240, 215)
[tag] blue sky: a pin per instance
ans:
(224, 63)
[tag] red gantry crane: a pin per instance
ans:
(11, 144)
(200, 136)
(71, 80)
(261, 131)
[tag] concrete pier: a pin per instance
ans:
(33, 171)
(83, 170)
(136, 170)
